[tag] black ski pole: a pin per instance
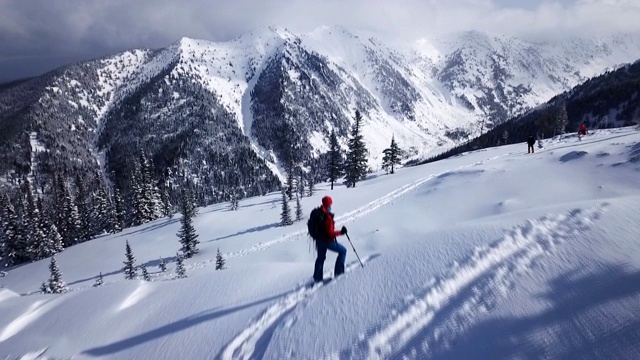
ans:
(354, 250)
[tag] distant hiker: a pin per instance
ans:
(530, 142)
(582, 130)
(325, 238)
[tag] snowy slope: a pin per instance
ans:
(492, 254)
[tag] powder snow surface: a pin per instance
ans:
(489, 255)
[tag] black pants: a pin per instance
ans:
(530, 149)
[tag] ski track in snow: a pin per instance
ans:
(450, 304)
(259, 331)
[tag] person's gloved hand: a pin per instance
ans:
(343, 231)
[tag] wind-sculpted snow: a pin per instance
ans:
(472, 286)
(255, 337)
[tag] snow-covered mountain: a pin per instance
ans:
(199, 108)
(494, 254)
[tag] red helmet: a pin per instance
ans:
(327, 201)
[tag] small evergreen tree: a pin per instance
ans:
(187, 234)
(301, 184)
(83, 204)
(298, 209)
(391, 156)
(99, 281)
(285, 215)
(356, 163)
(311, 182)
(220, 261)
(130, 272)
(119, 210)
(15, 246)
(335, 163)
(562, 120)
(44, 288)
(181, 271)
(233, 203)
(56, 284)
(162, 265)
(145, 273)
(505, 136)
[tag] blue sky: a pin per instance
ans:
(39, 35)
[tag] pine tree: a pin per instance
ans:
(301, 183)
(119, 211)
(104, 211)
(15, 247)
(220, 261)
(298, 209)
(99, 281)
(505, 136)
(51, 242)
(162, 265)
(69, 219)
(289, 188)
(562, 119)
(335, 163)
(285, 216)
(167, 207)
(391, 156)
(129, 268)
(311, 182)
(181, 271)
(44, 288)
(152, 203)
(356, 162)
(83, 203)
(36, 237)
(145, 273)
(233, 203)
(56, 284)
(187, 234)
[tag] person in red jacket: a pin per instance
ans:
(328, 242)
(583, 129)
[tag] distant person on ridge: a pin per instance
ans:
(530, 142)
(327, 241)
(583, 129)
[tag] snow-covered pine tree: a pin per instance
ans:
(15, 250)
(83, 203)
(187, 234)
(44, 288)
(298, 209)
(335, 167)
(138, 201)
(151, 194)
(301, 183)
(285, 215)
(52, 241)
(356, 162)
(35, 234)
(56, 284)
(505, 136)
(562, 118)
(233, 203)
(70, 228)
(99, 281)
(289, 188)
(162, 265)
(391, 156)
(104, 219)
(129, 268)
(181, 271)
(311, 182)
(167, 207)
(145, 273)
(220, 261)
(119, 210)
